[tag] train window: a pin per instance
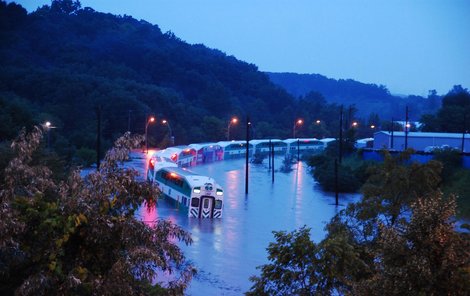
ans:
(206, 203)
(218, 204)
(195, 202)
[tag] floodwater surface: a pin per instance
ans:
(227, 251)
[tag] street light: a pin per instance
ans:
(149, 120)
(234, 120)
(172, 139)
(298, 122)
(48, 125)
(318, 121)
(355, 124)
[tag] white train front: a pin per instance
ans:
(201, 195)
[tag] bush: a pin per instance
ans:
(352, 173)
(85, 156)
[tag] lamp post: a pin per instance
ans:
(317, 122)
(48, 125)
(172, 139)
(297, 123)
(234, 120)
(406, 128)
(149, 120)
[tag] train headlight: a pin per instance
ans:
(197, 190)
(219, 192)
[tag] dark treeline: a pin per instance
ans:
(61, 62)
(371, 98)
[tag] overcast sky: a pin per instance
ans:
(410, 46)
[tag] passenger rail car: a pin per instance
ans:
(201, 195)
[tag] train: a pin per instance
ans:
(200, 195)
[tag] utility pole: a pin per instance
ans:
(98, 137)
(298, 150)
(336, 182)
(248, 123)
(464, 131)
(269, 155)
(341, 134)
(272, 157)
(406, 128)
(391, 142)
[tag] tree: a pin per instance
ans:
(422, 256)
(79, 236)
(65, 6)
(393, 185)
(399, 239)
(292, 270)
(453, 116)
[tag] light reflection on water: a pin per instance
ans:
(226, 251)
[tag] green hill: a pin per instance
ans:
(61, 63)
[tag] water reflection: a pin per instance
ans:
(226, 251)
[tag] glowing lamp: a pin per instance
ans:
(152, 163)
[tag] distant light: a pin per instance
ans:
(152, 119)
(164, 121)
(173, 175)
(318, 121)
(152, 162)
(48, 124)
(372, 126)
(408, 125)
(354, 124)
(300, 121)
(234, 120)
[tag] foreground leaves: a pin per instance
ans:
(399, 239)
(80, 236)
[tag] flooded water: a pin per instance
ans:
(227, 251)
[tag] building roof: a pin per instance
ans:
(422, 135)
(192, 178)
(257, 141)
(224, 144)
(302, 140)
(200, 146)
(327, 140)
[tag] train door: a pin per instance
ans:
(207, 204)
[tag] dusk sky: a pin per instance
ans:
(408, 46)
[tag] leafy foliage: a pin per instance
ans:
(423, 256)
(351, 173)
(453, 116)
(399, 239)
(292, 271)
(79, 236)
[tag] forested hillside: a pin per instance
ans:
(368, 98)
(63, 62)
